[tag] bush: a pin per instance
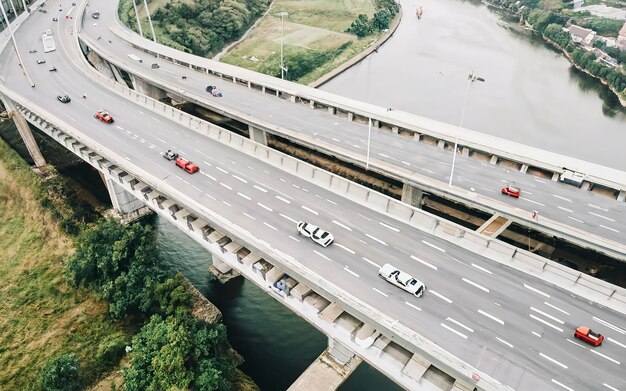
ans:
(60, 374)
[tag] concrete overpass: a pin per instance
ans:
(242, 207)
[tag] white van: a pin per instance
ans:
(402, 280)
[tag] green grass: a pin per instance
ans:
(41, 315)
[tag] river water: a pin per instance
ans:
(531, 95)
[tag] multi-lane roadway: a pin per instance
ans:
(512, 326)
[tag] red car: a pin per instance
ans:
(587, 335)
(186, 165)
(104, 116)
(512, 191)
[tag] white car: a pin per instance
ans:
(319, 236)
(402, 280)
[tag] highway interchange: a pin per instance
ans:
(510, 325)
(584, 210)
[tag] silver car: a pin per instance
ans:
(402, 280)
(319, 236)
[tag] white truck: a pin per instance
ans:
(48, 41)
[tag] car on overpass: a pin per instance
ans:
(40, 61)
(103, 116)
(170, 155)
(63, 98)
(186, 165)
(511, 190)
(589, 336)
(318, 235)
(402, 280)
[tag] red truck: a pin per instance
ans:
(186, 165)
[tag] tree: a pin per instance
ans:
(60, 374)
(381, 19)
(119, 263)
(361, 26)
(556, 33)
(539, 19)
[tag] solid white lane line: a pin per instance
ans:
(488, 315)
(365, 217)
(376, 239)
(341, 225)
(562, 198)
(456, 322)
(609, 325)
(534, 202)
(576, 343)
(244, 196)
(546, 323)
(405, 163)
(210, 196)
(505, 342)
(272, 227)
(424, 262)
(345, 248)
(250, 168)
(605, 356)
(350, 271)
(575, 219)
(600, 216)
(294, 185)
(382, 293)
(565, 209)
(442, 297)
(240, 179)
(291, 237)
(610, 387)
(412, 306)
(389, 227)
(553, 360)
(309, 209)
(371, 262)
(226, 186)
(482, 288)
(445, 326)
(481, 268)
(556, 308)
(265, 207)
(616, 342)
(119, 127)
(609, 228)
(537, 334)
(286, 201)
(208, 176)
(195, 187)
(260, 188)
(536, 291)
(598, 207)
(207, 163)
(331, 201)
(161, 140)
(547, 315)
(322, 255)
(288, 218)
(226, 203)
(433, 246)
(562, 385)
(383, 155)
(281, 179)
(221, 169)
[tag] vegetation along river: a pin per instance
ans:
(531, 95)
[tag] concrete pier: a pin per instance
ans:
(326, 373)
(257, 135)
(412, 195)
(25, 132)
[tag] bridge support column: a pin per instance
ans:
(257, 135)
(494, 160)
(25, 132)
(621, 196)
(123, 202)
(103, 66)
(412, 195)
(329, 370)
(145, 88)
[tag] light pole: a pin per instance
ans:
(145, 3)
(137, 17)
(17, 52)
(369, 137)
(471, 79)
(282, 34)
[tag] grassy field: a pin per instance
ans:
(314, 24)
(41, 315)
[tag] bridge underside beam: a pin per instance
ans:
(123, 202)
(25, 133)
(145, 88)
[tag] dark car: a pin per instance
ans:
(170, 155)
(512, 191)
(587, 335)
(104, 116)
(41, 61)
(63, 98)
(55, 19)
(53, 69)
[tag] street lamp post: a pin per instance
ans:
(145, 3)
(17, 52)
(471, 79)
(282, 34)
(369, 137)
(137, 17)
